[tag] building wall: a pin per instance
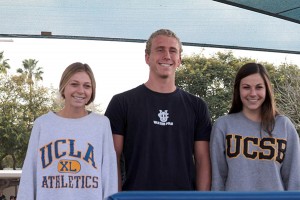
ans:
(10, 191)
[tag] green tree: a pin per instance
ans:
(21, 102)
(287, 90)
(4, 66)
(31, 71)
(211, 79)
(30, 74)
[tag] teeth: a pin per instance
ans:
(80, 98)
(166, 65)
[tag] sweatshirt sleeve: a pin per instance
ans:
(27, 187)
(109, 164)
(218, 159)
(290, 170)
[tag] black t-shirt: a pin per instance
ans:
(159, 133)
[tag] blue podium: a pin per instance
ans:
(197, 195)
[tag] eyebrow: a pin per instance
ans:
(79, 81)
(164, 47)
(255, 84)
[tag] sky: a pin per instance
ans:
(117, 66)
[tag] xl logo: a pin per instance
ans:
(68, 166)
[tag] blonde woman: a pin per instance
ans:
(71, 153)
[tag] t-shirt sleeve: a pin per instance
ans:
(116, 113)
(203, 123)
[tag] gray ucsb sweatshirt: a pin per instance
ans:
(69, 159)
(246, 159)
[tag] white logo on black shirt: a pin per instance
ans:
(163, 117)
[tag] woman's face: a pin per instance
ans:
(252, 92)
(78, 90)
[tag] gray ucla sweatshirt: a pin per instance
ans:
(69, 159)
(247, 159)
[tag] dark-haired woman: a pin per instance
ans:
(254, 148)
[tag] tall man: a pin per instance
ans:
(162, 131)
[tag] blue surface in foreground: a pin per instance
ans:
(193, 195)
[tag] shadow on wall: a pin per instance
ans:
(9, 182)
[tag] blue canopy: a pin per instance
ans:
(204, 23)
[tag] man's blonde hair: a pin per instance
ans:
(164, 32)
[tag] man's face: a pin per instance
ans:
(165, 56)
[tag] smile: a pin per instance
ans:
(165, 65)
(79, 98)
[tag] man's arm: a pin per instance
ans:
(118, 143)
(203, 165)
